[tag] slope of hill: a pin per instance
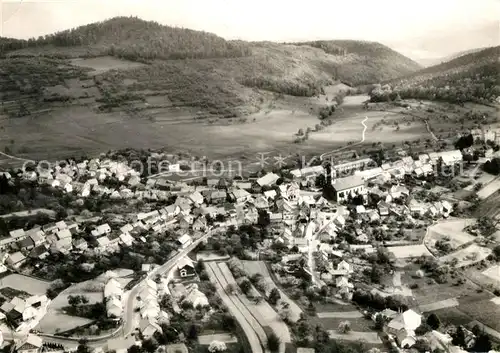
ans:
(471, 77)
(373, 62)
(188, 68)
(135, 39)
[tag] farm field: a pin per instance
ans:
(26, 284)
(443, 304)
(427, 291)
(468, 256)
(340, 315)
(493, 272)
(105, 63)
(368, 337)
(52, 135)
(357, 324)
(407, 251)
(452, 230)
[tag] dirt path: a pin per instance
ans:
(14, 157)
(363, 133)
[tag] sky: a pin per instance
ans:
(420, 28)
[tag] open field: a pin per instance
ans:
(428, 291)
(452, 230)
(340, 315)
(357, 324)
(493, 272)
(368, 337)
(56, 320)
(27, 284)
(484, 311)
(468, 256)
(53, 135)
(105, 63)
(443, 304)
(407, 251)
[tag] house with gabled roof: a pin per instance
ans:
(268, 179)
(261, 202)
(184, 241)
(30, 344)
(149, 327)
(240, 195)
(403, 327)
(126, 239)
(101, 230)
(200, 224)
(16, 260)
(185, 267)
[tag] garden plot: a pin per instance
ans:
(368, 337)
(408, 251)
(26, 284)
(483, 311)
(340, 315)
(468, 256)
(56, 320)
(443, 304)
(493, 273)
(451, 230)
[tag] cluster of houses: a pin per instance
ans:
(113, 297)
(151, 316)
(300, 220)
(24, 314)
(357, 184)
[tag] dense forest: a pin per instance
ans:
(135, 39)
(470, 78)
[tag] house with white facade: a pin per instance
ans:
(351, 186)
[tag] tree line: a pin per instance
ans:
(135, 39)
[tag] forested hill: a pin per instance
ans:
(132, 38)
(472, 77)
(375, 61)
(187, 68)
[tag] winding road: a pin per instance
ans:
(129, 324)
(322, 157)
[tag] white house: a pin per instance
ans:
(403, 327)
(350, 186)
(184, 240)
(268, 179)
(101, 230)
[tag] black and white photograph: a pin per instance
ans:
(221, 176)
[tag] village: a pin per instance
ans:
(388, 256)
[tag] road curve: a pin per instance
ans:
(363, 133)
(127, 326)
